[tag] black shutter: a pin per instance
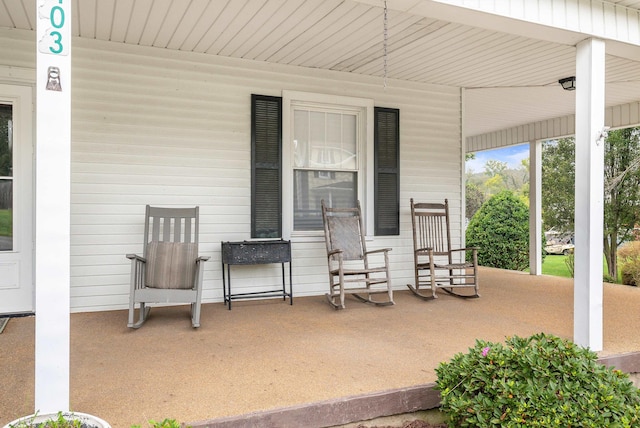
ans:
(266, 166)
(387, 171)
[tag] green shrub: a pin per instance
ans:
(500, 230)
(540, 381)
(166, 423)
(629, 261)
(61, 420)
(570, 261)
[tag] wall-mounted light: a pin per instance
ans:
(568, 83)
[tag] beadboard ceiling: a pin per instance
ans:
(509, 79)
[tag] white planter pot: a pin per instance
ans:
(88, 421)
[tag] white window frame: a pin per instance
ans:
(291, 99)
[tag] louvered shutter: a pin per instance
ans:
(387, 171)
(266, 166)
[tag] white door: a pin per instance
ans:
(16, 200)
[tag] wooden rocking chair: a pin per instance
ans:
(350, 267)
(433, 256)
(169, 270)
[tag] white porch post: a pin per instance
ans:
(53, 149)
(589, 211)
(535, 207)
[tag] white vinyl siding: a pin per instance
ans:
(167, 128)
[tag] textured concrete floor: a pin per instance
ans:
(265, 354)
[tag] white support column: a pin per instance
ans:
(53, 170)
(589, 208)
(463, 178)
(535, 207)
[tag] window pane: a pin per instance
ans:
(6, 182)
(338, 189)
(349, 141)
(301, 138)
(6, 215)
(317, 128)
(324, 140)
(6, 141)
(334, 130)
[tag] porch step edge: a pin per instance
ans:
(365, 407)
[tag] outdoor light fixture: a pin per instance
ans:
(568, 83)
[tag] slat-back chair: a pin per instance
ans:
(433, 256)
(351, 270)
(169, 270)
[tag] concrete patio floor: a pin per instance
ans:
(267, 354)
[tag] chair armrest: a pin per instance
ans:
(466, 249)
(333, 252)
(202, 259)
(380, 250)
(135, 257)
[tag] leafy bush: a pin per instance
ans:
(500, 230)
(166, 423)
(570, 261)
(61, 420)
(540, 381)
(629, 260)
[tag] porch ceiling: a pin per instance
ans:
(510, 79)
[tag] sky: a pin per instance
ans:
(512, 155)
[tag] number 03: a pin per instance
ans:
(57, 21)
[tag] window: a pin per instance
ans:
(325, 162)
(6, 177)
(309, 147)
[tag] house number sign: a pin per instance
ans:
(57, 38)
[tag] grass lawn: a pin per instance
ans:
(6, 222)
(555, 265)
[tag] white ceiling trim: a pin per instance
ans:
(622, 116)
(596, 18)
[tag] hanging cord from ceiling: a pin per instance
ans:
(384, 45)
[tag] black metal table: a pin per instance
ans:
(255, 253)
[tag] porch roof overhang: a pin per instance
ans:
(508, 57)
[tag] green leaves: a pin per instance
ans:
(540, 381)
(500, 229)
(166, 423)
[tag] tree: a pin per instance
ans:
(622, 194)
(496, 177)
(474, 199)
(500, 229)
(558, 185)
(495, 167)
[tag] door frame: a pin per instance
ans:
(21, 97)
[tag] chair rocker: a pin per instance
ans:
(433, 256)
(350, 268)
(169, 270)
